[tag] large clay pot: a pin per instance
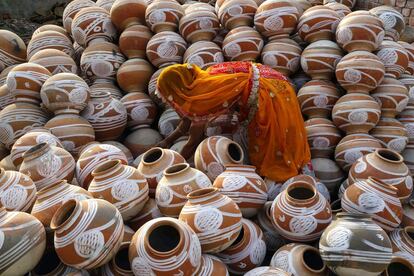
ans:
(360, 31)
(395, 58)
(410, 51)
(25, 237)
(203, 54)
(247, 252)
(78, 223)
(349, 3)
(149, 212)
(360, 72)
(354, 245)
(166, 48)
(391, 133)
(12, 49)
(199, 24)
(320, 58)
(163, 15)
(71, 10)
(242, 44)
(392, 95)
(386, 165)
(46, 165)
(322, 136)
(212, 266)
(17, 191)
(266, 270)
(142, 140)
(50, 40)
(55, 61)
(133, 41)
(328, 172)
(125, 13)
(134, 75)
(393, 20)
(237, 13)
(403, 243)
(299, 259)
(214, 217)
(340, 9)
(141, 110)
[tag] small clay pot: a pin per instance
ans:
(55, 61)
(163, 15)
(142, 140)
(134, 75)
(242, 44)
(133, 41)
(166, 48)
(399, 266)
(237, 13)
(12, 49)
(309, 179)
(282, 55)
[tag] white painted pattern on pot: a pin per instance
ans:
(235, 12)
(26, 94)
(272, 21)
(156, 15)
(17, 191)
(199, 22)
(71, 10)
(166, 49)
(50, 40)
(245, 36)
(403, 247)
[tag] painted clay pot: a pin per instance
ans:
(4, 73)
(340, 9)
(125, 13)
(156, 246)
(212, 266)
(107, 116)
(133, 41)
(106, 4)
(247, 252)
(123, 148)
(142, 140)
(282, 55)
(7, 164)
(49, 200)
(101, 223)
(163, 15)
(176, 183)
(121, 185)
(360, 72)
(354, 245)
(360, 31)
(236, 13)
(17, 191)
(23, 235)
(55, 61)
(299, 259)
(242, 44)
(393, 21)
(92, 25)
(322, 189)
(90, 158)
(203, 54)
(141, 110)
(354, 146)
(349, 3)
(386, 165)
(215, 152)
(119, 264)
(149, 212)
(391, 133)
(199, 25)
(71, 10)
(50, 40)
(266, 270)
(395, 58)
(403, 243)
(107, 86)
(320, 58)
(399, 266)
(408, 214)
(166, 48)
(12, 49)
(6, 98)
(392, 96)
(410, 51)
(154, 162)
(168, 122)
(328, 172)
(214, 217)
(276, 19)
(356, 113)
(134, 75)
(51, 27)
(317, 98)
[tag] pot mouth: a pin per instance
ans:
(389, 155)
(202, 193)
(235, 152)
(399, 266)
(164, 236)
(106, 167)
(152, 156)
(409, 230)
(312, 260)
(35, 149)
(176, 169)
(301, 191)
(121, 259)
(64, 214)
(48, 263)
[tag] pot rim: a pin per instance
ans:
(379, 151)
(183, 166)
(157, 224)
(310, 248)
(239, 148)
(200, 193)
(105, 167)
(152, 151)
(302, 184)
(113, 261)
(56, 222)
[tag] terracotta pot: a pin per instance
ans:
(386, 165)
(242, 44)
(4, 73)
(134, 75)
(106, 4)
(198, 25)
(323, 137)
(349, 3)
(392, 96)
(133, 41)
(119, 265)
(214, 217)
(353, 243)
(266, 270)
(328, 172)
(166, 48)
(6, 98)
(7, 164)
(299, 259)
(23, 235)
(55, 61)
(410, 51)
(320, 58)
(103, 85)
(141, 110)
(408, 81)
(168, 122)
(399, 266)
(395, 58)
(320, 187)
(276, 19)
(247, 252)
(360, 72)
(163, 15)
(408, 214)
(356, 113)
(46, 165)
(125, 13)
(212, 266)
(90, 158)
(142, 140)
(123, 148)
(393, 21)
(203, 54)
(391, 133)
(50, 40)
(237, 13)
(403, 243)
(149, 212)
(282, 55)
(71, 10)
(340, 9)
(17, 191)
(13, 49)
(51, 27)
(215, 152)
(354, 146)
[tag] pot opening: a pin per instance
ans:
(202, 192)
(239, 237)
(152, 155)
(301, 193)
(389, 155)
(34, 149)
(235, 152)
(398, 269)
(313, 260)
(63, 214)
(106, 166)
(176, 168)
(121, 259)
(164, 238)
(49, 262)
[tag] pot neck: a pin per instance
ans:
(153, 156)
(164, 238)
(301, 194)
(176, 170)
(36, 151)
(100, 96)
(107, 169)
(64, 214)
(388, 156)
(203, 195)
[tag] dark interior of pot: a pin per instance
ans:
(121, 259)
(201, 192)
(164, 238)
(176, 168)
(152, 156)
(398, 269)
(313, 260)
(301, 193)
(48, 263)
(34, 149)
(63, 214)
(389, 155)
(235, 152)
(239, 237)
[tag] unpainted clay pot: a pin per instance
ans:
(133, 41)
(125, 13)
(142, 140)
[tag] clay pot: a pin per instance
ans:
(50, 198)
(159, 242)
(410, 51)
(124, 149)
(23, 235)
(356, 113)
(320, 187)
(215, 152)
(71, 10)
(391, 133)
(266, 270)
(320, 58)
(317, 98)
(166, 48)
(142, 140)
(247, 252)
(103, 85)
(282, 55)
(354, 146)
(163, 15)
(168, 122)
(51, 27)
(212, 266)
(276, 19)
(386, 165)
(90, 158)
(50, 40)
(328, 172)
(360, 72)
(392, 95)
(55, 61)
(149, 212)
(72, 243)
(237, 13)
(353, 243)
(399, 266)
(349, 3)
(403, 243)
(125, 13)
(141, 110)
(133, 41)
(299, 259)
(176, 183)
(6, 97)
(408, 214)
(17, 191)
(360, 31)
(119, 265)
(340, 9)
(203, 54)
(12, 49)
(395, 58)
(242, 44)
(106, 4)
(7, 164)
(199, 25)
(393, 21)
(4, 73)
(153, 91)
(134, 75)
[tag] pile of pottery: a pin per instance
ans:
(85, 191)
